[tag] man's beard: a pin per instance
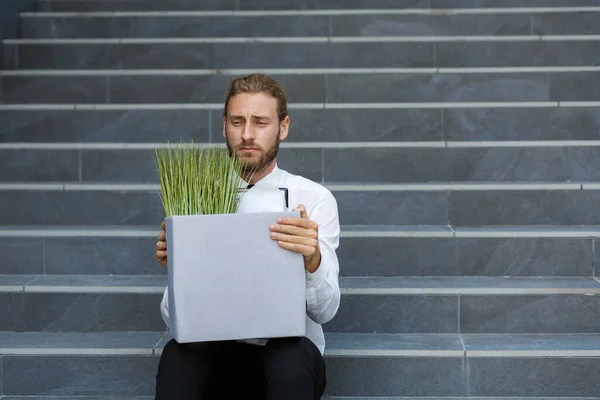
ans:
(255, 166)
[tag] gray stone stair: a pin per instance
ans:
(121, 5)
(385, 305)
(188, 24)
(253, 53)
(389, 164)
(461, 146)
(324, 398)
(445, 124)
(420, 86)
(364, 251)
(396, 205)
(457, 365)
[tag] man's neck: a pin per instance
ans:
(258, 175)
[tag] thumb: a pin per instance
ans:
(302, 210)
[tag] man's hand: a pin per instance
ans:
(161, 247)
(300, 235)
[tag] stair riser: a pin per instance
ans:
(140, 312)
(120, 5)
(301, 55)
(374, 165)
(319, 25)
(509, 3)
(463, 377)
(64, 166)
(459, 208)
(84, 398)
(149, 126)
(111, 5)
(260, 26)
(364, 376)
(374, 256)
(351, 88)
(81, 312)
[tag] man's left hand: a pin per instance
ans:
(300, 235)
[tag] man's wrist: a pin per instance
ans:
(313, 264)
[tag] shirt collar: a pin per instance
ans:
(272, 178)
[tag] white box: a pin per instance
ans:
(228, 280)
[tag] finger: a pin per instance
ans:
(163, 226)
(295, 239)
(161, 246)
(301, 222)
(295, 230)
(162, 236)
(298, 248)
(161, 254)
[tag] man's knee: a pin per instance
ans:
(185, 365)
(291, 361)
(173, 354)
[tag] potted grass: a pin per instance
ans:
(198, 180)
(227, 278)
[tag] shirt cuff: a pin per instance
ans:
(316, 278)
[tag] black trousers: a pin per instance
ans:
(285, 368)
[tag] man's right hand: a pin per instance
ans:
(161, 247)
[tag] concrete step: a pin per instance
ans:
(121, 5)
(369, 304)
(363, 285)
(394, 205)
(306, 88)
(132, 124)
(460, 365)
(474, 165)
(62, 25)
(363, 251)
(324, 398)
(253, 53)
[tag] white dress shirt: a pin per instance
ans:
(322, 286)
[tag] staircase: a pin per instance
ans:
(461, 140)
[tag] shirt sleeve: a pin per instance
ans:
(322, 286)
(164, 307)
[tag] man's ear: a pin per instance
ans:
(224, 125)
(285, 126)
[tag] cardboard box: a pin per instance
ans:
(228, 280)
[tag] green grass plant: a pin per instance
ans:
(198, 180)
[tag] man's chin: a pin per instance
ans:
(249, 159)
(249, 162)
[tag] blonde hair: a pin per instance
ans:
(259, 83)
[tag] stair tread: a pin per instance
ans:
(79, 342)
(324, 398)
(459, 282)
(338, 344)
(508, 342)
(143, 230)
(95, 398)
(349, 285)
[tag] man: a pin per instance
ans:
(255, 121)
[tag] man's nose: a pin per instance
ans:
(248, 132)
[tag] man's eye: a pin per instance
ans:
(261, 123)
(236, 123)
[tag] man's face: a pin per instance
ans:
(252, 129)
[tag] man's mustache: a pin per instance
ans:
(248, 145)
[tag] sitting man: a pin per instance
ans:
(255, 121)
